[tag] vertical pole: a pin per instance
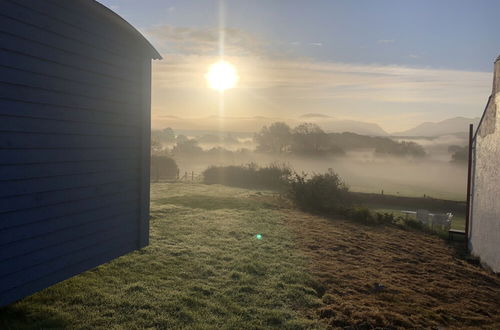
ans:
(469, 180)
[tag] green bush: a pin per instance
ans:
(163, 167)
(364, 216)
(361, 215)
(414, 224)
(274, 176)
(328, 194)
(322, 193)
(386, 218)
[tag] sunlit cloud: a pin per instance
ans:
(204, 41)
(272, 85)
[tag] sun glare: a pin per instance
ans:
(221, 76)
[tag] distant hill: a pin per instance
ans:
(330, 124)
(445, 127)
(353, 126)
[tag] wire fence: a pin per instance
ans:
(186, 176)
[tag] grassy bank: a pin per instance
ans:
(386, 277)
(204, 268)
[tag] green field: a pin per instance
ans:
(204, 269)
(230, 258)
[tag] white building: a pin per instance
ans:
(484, 227)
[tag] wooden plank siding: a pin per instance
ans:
(21, 77)
(78, 265)
(145, 159)
(70, 21)
(37, 170)
(45, 17)
(37, 65)
(59, 236)
(35, 200)
(75, 89)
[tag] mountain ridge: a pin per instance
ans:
(454, 125)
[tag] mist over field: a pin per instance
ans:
(362, 172)
(434, 175)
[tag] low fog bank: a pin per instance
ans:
(405, 166)
(361, 170)
(439, 147)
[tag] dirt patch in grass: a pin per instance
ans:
(389, 277)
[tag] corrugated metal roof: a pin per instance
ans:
(122, 23)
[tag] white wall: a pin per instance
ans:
(485, 223)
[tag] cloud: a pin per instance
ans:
(414, 56)
(204, 41)
(395, 97)
(308, 79)
(283, 84)
(317, 44)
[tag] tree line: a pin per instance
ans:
(310, 139)
(306, 139)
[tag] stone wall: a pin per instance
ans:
(484, 239)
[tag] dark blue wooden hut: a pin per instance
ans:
(75, 86)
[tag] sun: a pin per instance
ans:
(221, 76)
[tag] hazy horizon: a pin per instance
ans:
(251, 125)
(370, 67)
(393, 64)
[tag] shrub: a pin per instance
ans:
(361, 215)
(274, 176)
(414, 224)
(322, 193)
(328, 194)
(386, 218)
(163, 167)
(364, 216)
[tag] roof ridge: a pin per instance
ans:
(120, 21)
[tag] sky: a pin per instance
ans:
(396, 63)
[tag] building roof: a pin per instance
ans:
(122, 23)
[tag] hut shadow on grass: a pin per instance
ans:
(461, 252)
(23, 317)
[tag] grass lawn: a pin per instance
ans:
(205, 268)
